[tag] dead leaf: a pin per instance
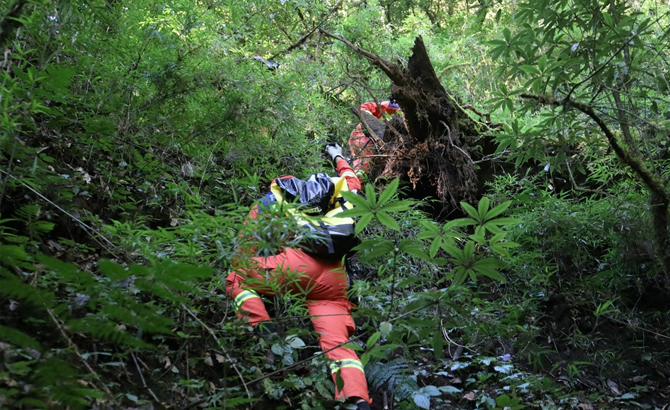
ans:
(613, 386)
(469, 396)
(55, 245)
(187, 169)
(208, 361)
(220, 358)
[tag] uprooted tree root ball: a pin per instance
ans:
(429, 145)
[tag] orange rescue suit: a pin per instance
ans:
(324, 284)
(359, 143)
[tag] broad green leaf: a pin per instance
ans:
(529, 69)
(459, 273)
(388, 192)
(507, 34)
(493, 274)
(469, 250)
(480, 239)
(387, 220)
(431, 390)
(459, 222)
(488, 263)
(506, 221)
(362, 223)
(608, 20)
(440, 261)
(296, 342)
(434, 247)
(397, 206)
(379, 252)
(372, 340)
(497, 237)
(353, 346)
(471, 211)
(380, 351)
(353, 213)
(498, 210)
(421, 400)
(491, 226)
(453, 251)
(371, 195)
(413, 248)
(357, 200)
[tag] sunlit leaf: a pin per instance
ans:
(389, 191)
(387, 220)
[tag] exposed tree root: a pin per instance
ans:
(427, 145)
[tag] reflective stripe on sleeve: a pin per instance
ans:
(244, 295)
(345, 363)
(348, 174)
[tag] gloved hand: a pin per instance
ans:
(334, 150)
(394, 104)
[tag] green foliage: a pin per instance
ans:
(134, 140)
(461, 247)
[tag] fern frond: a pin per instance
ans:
(391, 373)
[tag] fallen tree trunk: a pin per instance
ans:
(431, 145)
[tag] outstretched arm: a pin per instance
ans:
(343, 168)
(346, 172)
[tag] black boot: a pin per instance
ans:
(363, 405)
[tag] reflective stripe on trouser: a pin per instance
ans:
(244, 296)
(323, 283)
(334, 325)
(248, 304)
(346, 364)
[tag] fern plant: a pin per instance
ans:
(396, 376)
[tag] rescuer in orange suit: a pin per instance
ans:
(329, 308)
(359, 143)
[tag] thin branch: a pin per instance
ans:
(609, 60)
(304, 38)
(144, 383)
(74, 348)
(87, 228)
(448, 131)
(391, 70)
(652, 182)
(230, 360)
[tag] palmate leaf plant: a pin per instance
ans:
(472, 254)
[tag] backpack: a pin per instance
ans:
(320, 199)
